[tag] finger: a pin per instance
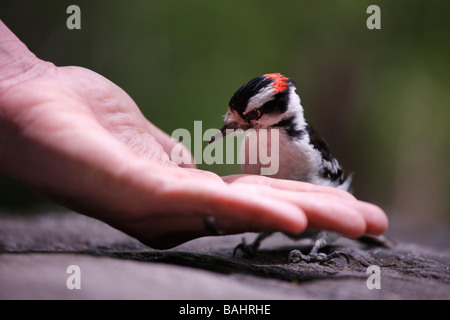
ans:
(326, 211)
(184, 197)
(237, 207)
(286, 184)
(235, 210)
(376, 219)
(262, 210)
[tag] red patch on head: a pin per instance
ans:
(280, 82)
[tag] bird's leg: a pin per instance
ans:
(249, 250)
(321, 240)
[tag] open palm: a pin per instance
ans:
(79, 139)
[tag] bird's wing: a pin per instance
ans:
(331, 168)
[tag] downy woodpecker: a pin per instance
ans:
(270, 102)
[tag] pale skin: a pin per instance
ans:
(77, 138)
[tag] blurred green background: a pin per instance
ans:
(380, 97)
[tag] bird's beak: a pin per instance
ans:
(229, 128)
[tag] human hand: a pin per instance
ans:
(77, 138)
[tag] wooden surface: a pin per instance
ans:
(35, 251)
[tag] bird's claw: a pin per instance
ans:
(249, 250)
(296, 256)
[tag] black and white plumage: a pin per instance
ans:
(270, 102)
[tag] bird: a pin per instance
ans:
(270, 101)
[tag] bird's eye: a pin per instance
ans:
(253, 115)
